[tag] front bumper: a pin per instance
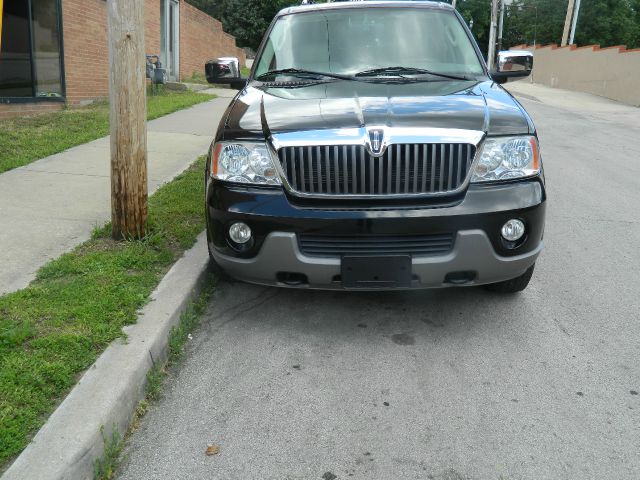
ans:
(472, 253)
(276, 221)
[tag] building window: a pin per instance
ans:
(30, 50)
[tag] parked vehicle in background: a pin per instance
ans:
(371, 148)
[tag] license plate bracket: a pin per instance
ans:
(392, 271)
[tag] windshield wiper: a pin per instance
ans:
(402, 71)
(302, 73)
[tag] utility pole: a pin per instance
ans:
(128, 112)
(501, 27)
(491, 55)
(574, 24)
(567, 23)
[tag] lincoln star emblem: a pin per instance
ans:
(375, 141)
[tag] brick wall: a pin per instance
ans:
(201, 39)
(86, 53)
(152, 26)
(27, 109)
(85, 49)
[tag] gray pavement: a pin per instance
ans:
(441, 385)
(52, 205)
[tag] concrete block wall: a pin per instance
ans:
(612, 72)
(202, 39)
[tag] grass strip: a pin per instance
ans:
(24, 140)
(53, 330)
(105, 467)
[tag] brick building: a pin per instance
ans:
(54, 52)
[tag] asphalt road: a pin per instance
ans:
(444, 385)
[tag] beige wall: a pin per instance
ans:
(609, 72)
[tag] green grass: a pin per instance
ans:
(105, 467)
(54, 329)
(26, 139)
(197, 77)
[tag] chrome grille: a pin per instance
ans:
(404, 169)
(338, 245)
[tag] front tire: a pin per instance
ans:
(514, 285)
(218, 272)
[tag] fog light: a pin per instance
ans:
(240, 233)
(513, 230)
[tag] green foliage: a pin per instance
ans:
(153, 388)
(53, 330)
(247, 20)
(189, 321)
(604, 22)
(534, 21)
(104, 468)
(477, 14)
(609, 23)
(207, 6)
(24, 140)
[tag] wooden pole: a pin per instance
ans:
(567, 23)
(128, 113)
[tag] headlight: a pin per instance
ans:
(244, 162)
(507, 157)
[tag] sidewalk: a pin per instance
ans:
(52, 205)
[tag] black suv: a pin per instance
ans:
(371, 148)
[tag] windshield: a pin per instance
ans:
(348, 41)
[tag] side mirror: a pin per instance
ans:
(226, 71)
(513, 64)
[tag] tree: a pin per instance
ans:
(247, 20)
(608, 23)
(604, 22)
(207, 6)
(534, 21)
(477, 14)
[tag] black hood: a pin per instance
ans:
(468, 105)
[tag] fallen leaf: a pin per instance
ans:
(212, 449)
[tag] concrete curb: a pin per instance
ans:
(108, 393)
